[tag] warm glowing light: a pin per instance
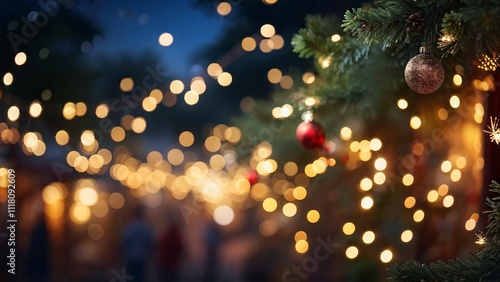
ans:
(366, 184)
(87, 196)
(186, 139)
(313, 216)
(79, 213)
(325, 62)
(289, 209)
(224, 8)
(138, 125)
(191, 98)
(52, 193)
(126, 84)
(8, 78)
(432, 196)
(461, 162)
(286, 110)
(345, 133)
(455, 175)
(166, 39)
(379, 178)
(386, 256)
(454, 101)
(87, 138)
(410, 202)
(198, 86)
(415, 122)
(301, 246)
(269, 205)
(214, 69)
(102, 111)
(277, 41)
(402, 104)
(335, 38)
(367, 203)
(308, 78)
(418, 215)
(375, 144)
(348, 228)
(290, 168)
(443, 190)
(300, 235)
(446, 166)
(286, 82)
(149, 104)
(35, 109)
(20, 58)
(13, 113)
(380, 164)
(299, 193)
(406, 236)
(212, 144)
(223, 215)
(470, 224)
(117, 134)
(175, 157)
(176, 86)
(248, 44)
(267, 30)
(274, 76)
(157, 95)
(457, 79)
(81, 109)
(448, 201)
(368, 237)
(224, 79)
(408, 179)
(351, 252)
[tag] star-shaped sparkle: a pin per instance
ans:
(494, 131)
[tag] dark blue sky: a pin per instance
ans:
(133, 26)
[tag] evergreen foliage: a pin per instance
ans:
(484, 265)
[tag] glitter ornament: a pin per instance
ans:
(310, 134)
(424, 73)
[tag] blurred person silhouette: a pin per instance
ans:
(171, 250)
(38, 252)
(213, 238)
(137, 245)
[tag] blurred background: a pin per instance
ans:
(151, 142)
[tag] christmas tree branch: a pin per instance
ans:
(315, 41)
(455, 26)
(482, 266)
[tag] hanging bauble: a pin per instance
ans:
(252, 177)
(310, 134)
(424, 73)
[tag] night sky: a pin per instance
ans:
(131, 26)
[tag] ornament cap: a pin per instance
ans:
(424, 49)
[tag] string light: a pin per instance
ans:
(494, 130)
(488, 63)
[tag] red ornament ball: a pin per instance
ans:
(310, 134)
(252, 177)
(424, 73)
